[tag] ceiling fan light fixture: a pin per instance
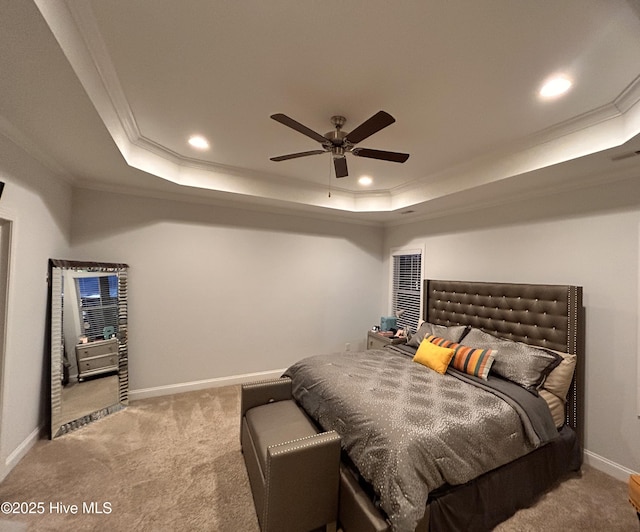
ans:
(338, 143)
(554, 87)
(198, 142)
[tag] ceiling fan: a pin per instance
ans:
(338, 143)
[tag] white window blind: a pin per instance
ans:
(406, 288)
(98, 305)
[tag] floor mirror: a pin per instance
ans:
(88, 342)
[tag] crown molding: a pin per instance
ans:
(107, 78)
(586, 181)
(629, 96)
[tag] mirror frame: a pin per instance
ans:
(56, 344)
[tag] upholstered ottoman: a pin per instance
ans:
(293, 468)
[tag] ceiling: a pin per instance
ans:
(106, 93)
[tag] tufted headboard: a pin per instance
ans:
(550, 316)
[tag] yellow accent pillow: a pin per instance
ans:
(433, 356)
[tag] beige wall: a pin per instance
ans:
(562, 239)
(39, 208)
(217, 292)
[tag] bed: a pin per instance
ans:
(379, 488)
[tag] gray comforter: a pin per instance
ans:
(410, 430)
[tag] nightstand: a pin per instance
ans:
(99, 356)
(377, 341)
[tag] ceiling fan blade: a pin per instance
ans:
(290, 122)
(392, 156)
(296, 155)
(340, 164)
(377, 122)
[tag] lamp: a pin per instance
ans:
(405, 330)
(388, 323)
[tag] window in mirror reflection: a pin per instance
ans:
(98, 307)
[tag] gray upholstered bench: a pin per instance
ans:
(293, 469)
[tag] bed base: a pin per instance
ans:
(493, 497)
(478, 505)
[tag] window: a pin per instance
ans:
(98, 305)
(406, 287)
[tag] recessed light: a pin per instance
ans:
(365, 180)
(198, 142)
(555, 86)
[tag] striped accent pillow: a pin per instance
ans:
(470, 360)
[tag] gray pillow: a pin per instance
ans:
(520, 363)
(453, 333)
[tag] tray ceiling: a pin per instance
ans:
(108, 92)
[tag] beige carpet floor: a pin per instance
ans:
(174, 464)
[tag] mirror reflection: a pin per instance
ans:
(88, 342)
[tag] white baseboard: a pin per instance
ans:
(19, 452)
(607, 466)
(170, 389)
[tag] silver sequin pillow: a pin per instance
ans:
(453, 333)
(520, 363)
